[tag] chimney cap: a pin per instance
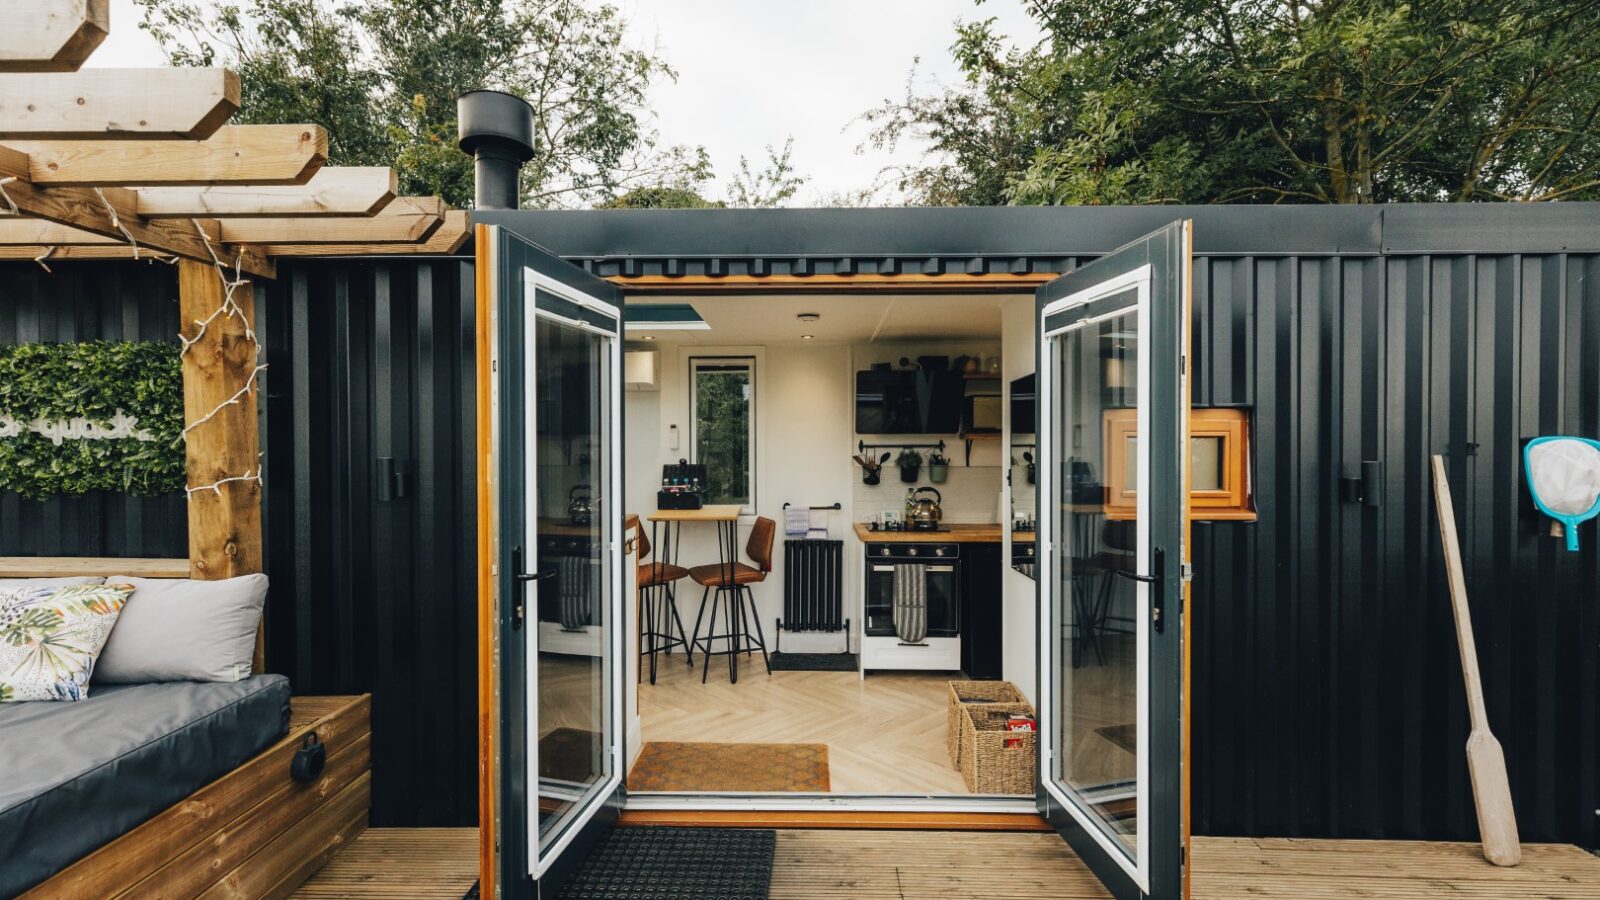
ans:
(495, 119)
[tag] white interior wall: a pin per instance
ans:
(804, 409)
(1020, 634)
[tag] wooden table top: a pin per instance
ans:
(720, 512)
(959, 532)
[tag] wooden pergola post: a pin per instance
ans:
(225, 523)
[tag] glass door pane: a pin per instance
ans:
(569, 458)
(1098, 653)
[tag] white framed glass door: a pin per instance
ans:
(553, 757)
(1112, 538)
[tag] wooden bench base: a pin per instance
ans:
(252, 833)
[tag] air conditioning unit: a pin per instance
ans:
(641, 370)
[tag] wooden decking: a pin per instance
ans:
(897, 865)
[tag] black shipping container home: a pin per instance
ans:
(1325, 687)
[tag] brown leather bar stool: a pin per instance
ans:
(732, 582)
(660, 600)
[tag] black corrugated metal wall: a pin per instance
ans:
(1327, 688)
(83, 301)
(373, 583)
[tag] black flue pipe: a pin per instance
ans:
(497, 129)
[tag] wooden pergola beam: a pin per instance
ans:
(447, 239)
(179, 104)
(51, 35)
(113, 213)
(352, 191)
(224, 523)
(405, 220)
(236, 154)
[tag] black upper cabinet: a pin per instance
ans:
(908, 401)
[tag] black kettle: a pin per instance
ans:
(580, 504)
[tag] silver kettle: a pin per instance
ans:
(923, 513)
(580, 505)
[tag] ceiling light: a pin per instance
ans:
(807, 337)
(648, 337)
(808, 317)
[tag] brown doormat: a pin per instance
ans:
(570, 754)
(669, 766)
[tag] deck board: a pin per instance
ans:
(440, 863)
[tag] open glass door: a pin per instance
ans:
(1113, 539)
(551, 579)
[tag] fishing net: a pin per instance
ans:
(1564, 476)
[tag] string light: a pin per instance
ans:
(40, 259)
(11, 205)
(117, 222)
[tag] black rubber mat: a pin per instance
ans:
(813, 662)
(651, 863)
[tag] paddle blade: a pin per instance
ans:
(1491, 790)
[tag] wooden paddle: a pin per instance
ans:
(1491, 790)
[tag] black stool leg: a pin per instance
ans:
(761, 636)
(735, 617)
(711, 635)
(697, 619)
(672, 606)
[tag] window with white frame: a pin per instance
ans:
(722, 392)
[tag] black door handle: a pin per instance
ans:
(1158, 603)
(520, 579)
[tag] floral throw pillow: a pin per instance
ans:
(50, 638)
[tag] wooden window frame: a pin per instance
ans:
(1232, 503)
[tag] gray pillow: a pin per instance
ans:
(50, 582)
(179, 629)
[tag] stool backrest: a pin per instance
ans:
(759, 549)
(644, 544)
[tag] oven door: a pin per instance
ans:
(943, 593)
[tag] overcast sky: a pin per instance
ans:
(754, 72)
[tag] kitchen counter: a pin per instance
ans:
(963, 533)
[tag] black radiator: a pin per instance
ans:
(813, 586)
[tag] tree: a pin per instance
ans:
(661, 198)
(772, 186)
(1326, 101)
(383, 78)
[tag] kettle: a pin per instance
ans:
(580, 505)
(923, 513)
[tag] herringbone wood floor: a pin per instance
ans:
(885, 735)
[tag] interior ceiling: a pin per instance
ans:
(849, 318)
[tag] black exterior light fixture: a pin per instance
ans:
(497, 129)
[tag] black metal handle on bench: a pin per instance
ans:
(1158, 559)
(520, 578)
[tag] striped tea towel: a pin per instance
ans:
(796, 521)
(910, 602)
(818, 525)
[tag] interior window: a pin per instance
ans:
(722, 396)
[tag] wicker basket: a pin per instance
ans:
(993, 759)
(967, 692)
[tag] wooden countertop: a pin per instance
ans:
(962, 533)
(712, 513)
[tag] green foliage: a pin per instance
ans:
(769, 187)
(383, 79)
(722, 432)
(661, 198)
(1323, 101)
(92, 380)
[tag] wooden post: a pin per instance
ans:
(224, 525)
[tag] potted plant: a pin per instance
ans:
(938, 467)
(910, 463)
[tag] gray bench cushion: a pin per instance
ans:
(78, 775)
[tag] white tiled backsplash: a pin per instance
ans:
(969, 495)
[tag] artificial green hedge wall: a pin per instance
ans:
(92, 380)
